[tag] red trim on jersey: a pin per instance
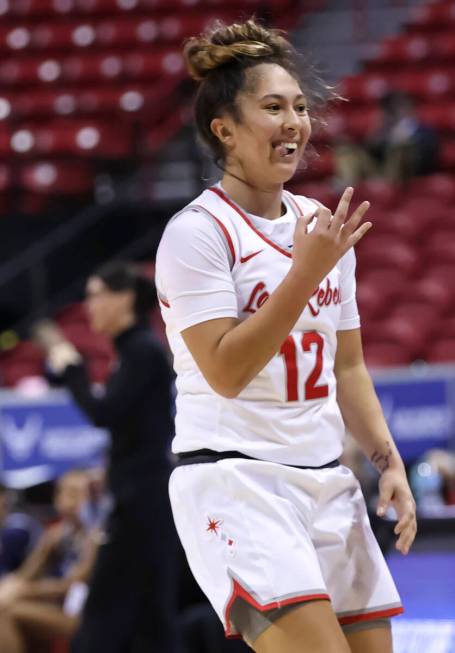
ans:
(297, 207)
(244, 216)
(239, 592)
(370, 616)
(164, 302)
(227, 235)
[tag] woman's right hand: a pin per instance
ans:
(316, 252)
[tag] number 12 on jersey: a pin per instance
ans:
(289, 352)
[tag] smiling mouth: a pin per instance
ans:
(284, 149)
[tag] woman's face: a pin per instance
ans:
(268, 142)
(107, 309)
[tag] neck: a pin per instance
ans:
(265, 202)
(124, 323)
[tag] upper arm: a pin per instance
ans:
(349, 318)
(349, 352)
(193, 272)
(202, 341)
(193, 276)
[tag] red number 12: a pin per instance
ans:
(289, 352)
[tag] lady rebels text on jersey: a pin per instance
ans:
(214, 261)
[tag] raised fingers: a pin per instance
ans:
(342, 209)
(359, 233)
(351, 225)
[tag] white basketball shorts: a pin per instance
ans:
(276, 535)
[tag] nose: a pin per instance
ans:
(291, 121)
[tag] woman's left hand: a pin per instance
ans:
(394, 491)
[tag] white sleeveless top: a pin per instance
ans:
(214, 261)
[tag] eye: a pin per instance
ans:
(273, 107)
(301, 108)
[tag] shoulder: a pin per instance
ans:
(189, 229)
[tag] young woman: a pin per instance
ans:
(257, 290)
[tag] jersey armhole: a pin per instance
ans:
(229, 243)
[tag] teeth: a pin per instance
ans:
(290, 146)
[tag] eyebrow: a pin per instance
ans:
(277, 96)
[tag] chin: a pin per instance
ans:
(96, 327)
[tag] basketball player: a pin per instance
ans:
(257, 290)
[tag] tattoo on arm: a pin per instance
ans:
(382, 460)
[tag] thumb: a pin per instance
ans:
(385, 497)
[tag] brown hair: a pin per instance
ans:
(219, 60)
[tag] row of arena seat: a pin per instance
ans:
(72, 69)
(134, 65)
(129, 32)
(401, 324)
(56, 8)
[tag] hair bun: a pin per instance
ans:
(225, 44)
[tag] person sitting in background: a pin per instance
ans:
(32, 600)
(18, 534)
(399, 147)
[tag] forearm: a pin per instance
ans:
(243, 351)
(363, 416)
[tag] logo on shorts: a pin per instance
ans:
(213, 525)
(214, 528)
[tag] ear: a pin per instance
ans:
(221, 128)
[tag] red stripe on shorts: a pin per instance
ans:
(239, 592)
(370, 616)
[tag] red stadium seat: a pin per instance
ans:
(440, 116)
(384, 251)
(421, 311)
(70, 137)
(439, 185)
(385, 354)
(404, 48)
(72, 314)
(435, 291)
(441, 351)
(25, 360)
(440, 248)
(57, 178)
(448, 155)
(371, 301)
(381, 193)
(87, 342)
(433, 16)
(444, 272)
(365, 87)
(406, 331)
(397, 224)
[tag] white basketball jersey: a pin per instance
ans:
(288, 413)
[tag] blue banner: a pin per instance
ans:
(420, 412)
(42, 438)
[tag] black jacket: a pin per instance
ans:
(136, 408)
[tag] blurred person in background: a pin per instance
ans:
(18, 533)
(130, 607)
(399, 147)
(41, 601)
(433, 479)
